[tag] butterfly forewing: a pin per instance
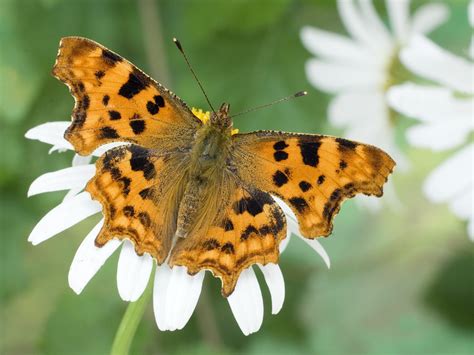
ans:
(116, 101)
(313, 174)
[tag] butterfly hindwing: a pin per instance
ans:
(139, 202)
(248, 231)
(313, 174)
(115, 101)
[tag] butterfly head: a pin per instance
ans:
(221, 118)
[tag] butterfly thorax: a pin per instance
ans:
(221, 119)
(208, 160)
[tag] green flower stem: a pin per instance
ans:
(129, 324)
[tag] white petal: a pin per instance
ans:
(291, 221)
(430, 103)
(355, 24)
(439, 135)
(276, 285)
(160, 290)
(433, 62)
(361, 108)
(182, 296)
(63, 216)
(133, 272)
(398, 11)
(318, 248)
(333, 77)
(78, 160)
(452, 177)
(89, 259)
(51, 133)
(334, 47)
(175, 296)
(367, 117)
(246, 302)
(428, 17)
(284, 243)
(461, 205)
(75, 177)
(378, 29)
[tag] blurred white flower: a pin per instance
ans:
(360, 69)
(446, 114)
(175, 293)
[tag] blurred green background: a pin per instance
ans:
(400, 282)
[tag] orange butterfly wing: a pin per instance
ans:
(116, 101)
(248, 231)
(313, 174)
(140, 201)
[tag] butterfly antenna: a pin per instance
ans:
(298, 94)
(180, 47)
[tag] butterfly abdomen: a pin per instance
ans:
(201, 195)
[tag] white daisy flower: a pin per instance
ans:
(446, 114)
(175, 293)
(360, 69)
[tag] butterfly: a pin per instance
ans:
(191, 192)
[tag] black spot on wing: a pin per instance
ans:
(125, 181)
(299, 203)
(99, 74)
(138, 126)
(345, 144)
(146, 193)
(114, 115)
(108, 133)
(228, 225)
(280, 145)
(140, 161)
(247, 232)
(137, 81)
(309, 152)
(129, 211)
(342, 164)
(154, 107)
(321, 179)
(85, 103)
(228, 248)
(115, 173)
(254, 204)
(105, 100)
(305, 186)
(210, 244)
(144, 218)
(110, 57)
(280, 178)
(278, 220)
(111, 157)
(280, 155)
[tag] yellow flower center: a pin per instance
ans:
(205, 116)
